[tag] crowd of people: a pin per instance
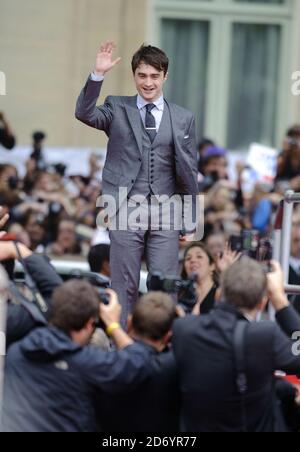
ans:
(47, 208)
(74, 365)
(169, 372)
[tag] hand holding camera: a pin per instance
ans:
(110, 313)
(276, 290)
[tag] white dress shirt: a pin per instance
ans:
(141, 104)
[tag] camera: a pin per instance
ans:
(185, 288)
(96, 280)
(13, 182)
(100, 285)
(253, 245)
(60, 169)
(209, 181)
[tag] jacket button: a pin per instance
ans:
(132, 181)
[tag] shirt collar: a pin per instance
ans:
(141, 103)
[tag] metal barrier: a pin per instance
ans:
(282, 237)
(64, 267)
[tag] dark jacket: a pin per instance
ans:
(153, 406)
(51, 382)
(203, 348)
(19, 320)
(294, 280)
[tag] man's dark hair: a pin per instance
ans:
(153, 315)
(97, 256)
(294, 132)
(244, 284)
(152, 56)
(74, 303)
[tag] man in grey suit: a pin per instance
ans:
(151, 152)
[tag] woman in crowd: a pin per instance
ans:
(200, 262)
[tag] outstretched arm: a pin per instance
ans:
(86, 110)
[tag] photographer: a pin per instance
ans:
(38, 139)
(53, 377)
(214, 356)
(288, 165)
(154, 405)
(21, 317)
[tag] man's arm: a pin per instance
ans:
(286, 316)
(39, 268)
(86, 110)
(110, 315)
(114, 372)
(286, 358)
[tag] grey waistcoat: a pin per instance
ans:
(157, 173)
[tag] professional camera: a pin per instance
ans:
(252, 244)
(13, 182)
(96, 280)
(99, 283)
(185, 288)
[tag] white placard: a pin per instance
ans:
(263, 160)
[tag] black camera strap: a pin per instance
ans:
(37, 297)
(241, 377)
(30, 307)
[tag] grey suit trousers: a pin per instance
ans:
(127, 249)
(153, 236)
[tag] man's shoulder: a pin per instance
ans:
(121, 100)
(180, 110)
(188, 323)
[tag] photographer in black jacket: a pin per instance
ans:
(154, 405)
(20, 319)
(23, 317)
(205, 354)
(52, 376)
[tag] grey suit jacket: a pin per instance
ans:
(120, 119)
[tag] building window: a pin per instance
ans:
(229, 64)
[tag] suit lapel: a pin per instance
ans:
(134, 119)
(175, 123)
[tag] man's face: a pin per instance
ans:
(149, 82)
(217, 165)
